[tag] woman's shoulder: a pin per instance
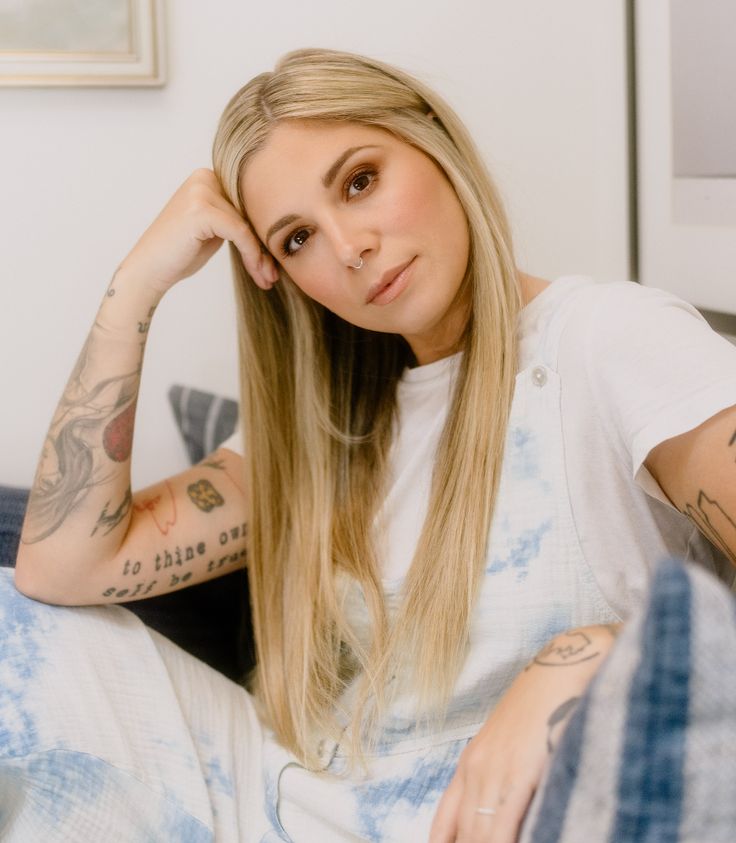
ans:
(602, 316)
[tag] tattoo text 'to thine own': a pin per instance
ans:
(166, 568)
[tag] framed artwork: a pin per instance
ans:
(686, 152)
(78, 42)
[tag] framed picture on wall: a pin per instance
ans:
(73, 42)
(686, 151)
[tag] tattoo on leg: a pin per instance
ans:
(109, 522)
(204, 495)
(558, 716)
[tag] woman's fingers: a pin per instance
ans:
(444, 825)
(189, 230)
(258, 262)
(491, 812)
(227, 224)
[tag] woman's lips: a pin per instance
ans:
(391, 284)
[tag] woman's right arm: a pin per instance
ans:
(86, 537)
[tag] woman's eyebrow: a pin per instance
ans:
(327, 180)
(279, 224)
(329, 176)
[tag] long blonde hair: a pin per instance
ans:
(317, 410)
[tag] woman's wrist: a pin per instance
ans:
(127, 307)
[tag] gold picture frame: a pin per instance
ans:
(49, 43)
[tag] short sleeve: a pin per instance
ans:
(655, 370)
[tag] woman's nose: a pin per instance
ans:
(351, 242)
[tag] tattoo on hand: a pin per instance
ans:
(108, 522)
(558, 716)
(204, 495)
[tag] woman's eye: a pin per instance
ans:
(360, 182)
(295, 241)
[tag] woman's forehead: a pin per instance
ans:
(300, 154)
(310, 141)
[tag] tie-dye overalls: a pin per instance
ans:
(110, 732)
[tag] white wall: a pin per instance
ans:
(83, 171)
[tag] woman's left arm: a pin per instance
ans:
(697, 472)
(502, 765)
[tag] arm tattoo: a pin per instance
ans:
(117, 438)
(558, 716)
(162, 509)
(171, 566)
(570, 648)
(204, 495)
(69, 467)
(715, 524)
(108, 522)
(219, 465)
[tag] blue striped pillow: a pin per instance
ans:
(204, 419)
(649, 755)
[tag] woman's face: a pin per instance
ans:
(323, 196)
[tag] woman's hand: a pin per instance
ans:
(188, 231)
(502, 765)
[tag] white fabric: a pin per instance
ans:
(637, 366)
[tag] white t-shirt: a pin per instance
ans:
(636, 366)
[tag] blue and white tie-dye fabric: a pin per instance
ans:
(108, 731)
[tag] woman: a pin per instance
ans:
(431, 495)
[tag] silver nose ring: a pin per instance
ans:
(358, 265)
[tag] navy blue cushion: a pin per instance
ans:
(204, 419)
(13, 503)
(649, 755)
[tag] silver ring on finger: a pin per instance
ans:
(486, 812)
